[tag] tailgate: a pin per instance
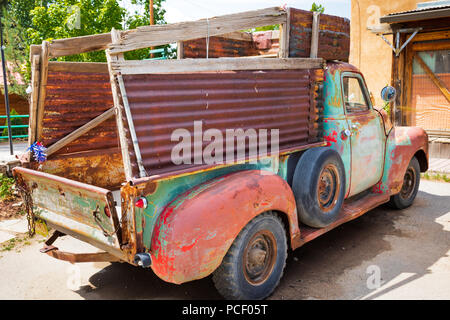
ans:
(81, 210)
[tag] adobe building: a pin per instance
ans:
(407, 44)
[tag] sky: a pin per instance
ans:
(185, 10)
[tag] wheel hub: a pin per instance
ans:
(327, 187)
(259, 257)
(409, 181)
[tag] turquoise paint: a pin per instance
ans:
(334, 122)
(168, 190)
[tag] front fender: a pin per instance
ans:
(195, 231)
(401, 146)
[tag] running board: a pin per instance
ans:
(351, 209)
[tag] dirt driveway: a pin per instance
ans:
(385, 254)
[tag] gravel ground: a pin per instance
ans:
(385, 254)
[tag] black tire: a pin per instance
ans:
(411, 181)
(319, 186)
(236, 278)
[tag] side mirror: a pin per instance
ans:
(388, 93)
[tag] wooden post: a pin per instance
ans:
(115, 36)
(315, 35)
(35, 75)
(42, 89)
(284, 36)
(180, 50)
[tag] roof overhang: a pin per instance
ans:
(416, 15)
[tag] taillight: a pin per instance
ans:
(141, 203)
(107, 212)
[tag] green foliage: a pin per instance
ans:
(30, 22)
(6, 185)
(73, 18)
(317, 8)
(14, 122)
(137, 19)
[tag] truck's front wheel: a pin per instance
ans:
(411, 181)
(254, 264)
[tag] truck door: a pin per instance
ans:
(367, 136)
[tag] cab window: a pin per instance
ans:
(354, 98)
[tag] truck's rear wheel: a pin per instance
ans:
(254, 264)
(319, 187)
(410, 186)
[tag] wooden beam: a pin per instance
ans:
(119, 115)
(284, 37)
(77, 45)
(433, 77)
(238, 35)
(315, 35)
(180, 50)
(80, 131)
(35, 75)
(148, 36)
(42, 89)
(63, 66)
(435, 45)
(218, 64)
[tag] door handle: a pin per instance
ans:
(346, 134)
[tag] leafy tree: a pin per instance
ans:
(317, 8)
(30, 22)
(73, 18)
(142, 18)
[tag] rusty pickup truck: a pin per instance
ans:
(112, 177)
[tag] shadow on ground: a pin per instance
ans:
(322, 269)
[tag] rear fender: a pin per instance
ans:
(195, 231)
(401, 146)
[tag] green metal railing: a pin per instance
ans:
(159, 51)
(15, 126)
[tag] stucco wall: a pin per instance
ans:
(367, 51)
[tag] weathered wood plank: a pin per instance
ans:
(284, 37)
(77, 45)
(148, 36)
(42, 88)
(315, 35)
(80, 131)
(219, 64)
(180, 50)
(119, 110)
(238, 35)
(62, 66)
(35, 76)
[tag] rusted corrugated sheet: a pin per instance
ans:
(77, 93)
(162, 103)
(334, 36)
(262, 44)
(218, 47)
(72, 100)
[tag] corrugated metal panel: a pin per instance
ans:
(429, 8)
(334, 36)
(218, 47)
(162, 103)
(72, 100)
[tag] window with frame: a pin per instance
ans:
(355, 99)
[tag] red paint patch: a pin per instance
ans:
(332, 137)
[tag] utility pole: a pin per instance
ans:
(152, 20)
(5, 84)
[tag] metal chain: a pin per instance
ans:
(28, 201)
